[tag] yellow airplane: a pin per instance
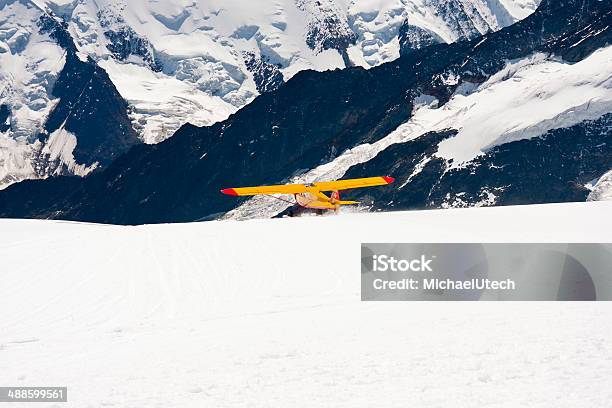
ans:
(311, 195)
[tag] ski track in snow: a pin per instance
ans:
(268, 313)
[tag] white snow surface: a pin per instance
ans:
(519, 9)
(29, 65)
(201, 44)
(602, 190)
(60, 147)
(268, 313)
(377, 23)
(163, 103)
(16, 160)
(524, 100)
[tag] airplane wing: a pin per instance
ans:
(353, 183)
(302, 188)
(278, 189)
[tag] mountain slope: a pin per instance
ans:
(316, 117)
(175, 62)
(30, 62)
(63, 113)
(220, 50)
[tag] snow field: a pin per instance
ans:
(267, 313)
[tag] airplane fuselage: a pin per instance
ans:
(316, 200)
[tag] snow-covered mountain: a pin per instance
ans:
(180, 61)
(517, 116)
(30, 62)
(60, 112)
(489, 142)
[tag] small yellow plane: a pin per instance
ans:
(311, 195)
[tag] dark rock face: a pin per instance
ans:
(595, 33)
(462, 17)
(411, 189)
(90, 107)
(5, 114)
(57, 30)
(125, 42)
(267, 76)
(414, 38)
(330, 33)
(327, 30)
(311, 119)
(551, 168)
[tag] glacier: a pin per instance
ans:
(203, 45)
(30, 63)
